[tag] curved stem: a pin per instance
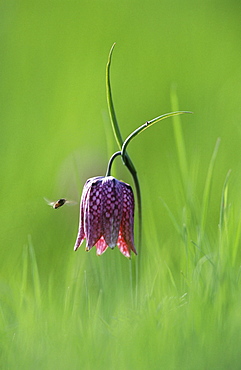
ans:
(128, 162)
(143, 127)
(108, 172)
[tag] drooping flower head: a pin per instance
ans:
(107, 216)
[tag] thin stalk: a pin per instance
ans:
(108, 172)
(128, 162)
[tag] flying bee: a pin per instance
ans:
(59, 203)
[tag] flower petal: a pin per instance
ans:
(101, 246)
(112, 206)
(127, 222)
(81, 233)
(123, 247)
(107, 216)
(92, 213)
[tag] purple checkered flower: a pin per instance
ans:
(107, 216)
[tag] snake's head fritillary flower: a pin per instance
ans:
(107, 216)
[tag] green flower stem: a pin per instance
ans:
(144, 127)
(112, 114)
(125, 157)
(108, 172)
(134, 269)
(128, 162)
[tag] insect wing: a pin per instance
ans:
(49, 202)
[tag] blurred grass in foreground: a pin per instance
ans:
(60, 309)
(188, 312)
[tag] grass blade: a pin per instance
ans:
(182, 156)
(207, 187)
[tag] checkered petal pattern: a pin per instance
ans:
(107, 216)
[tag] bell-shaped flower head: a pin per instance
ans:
(107, 216)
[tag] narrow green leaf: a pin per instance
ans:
(110, 103)
(207, 188)
(177, 127)
(145, 126)
(223, 205)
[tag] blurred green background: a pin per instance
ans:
(55, 133)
